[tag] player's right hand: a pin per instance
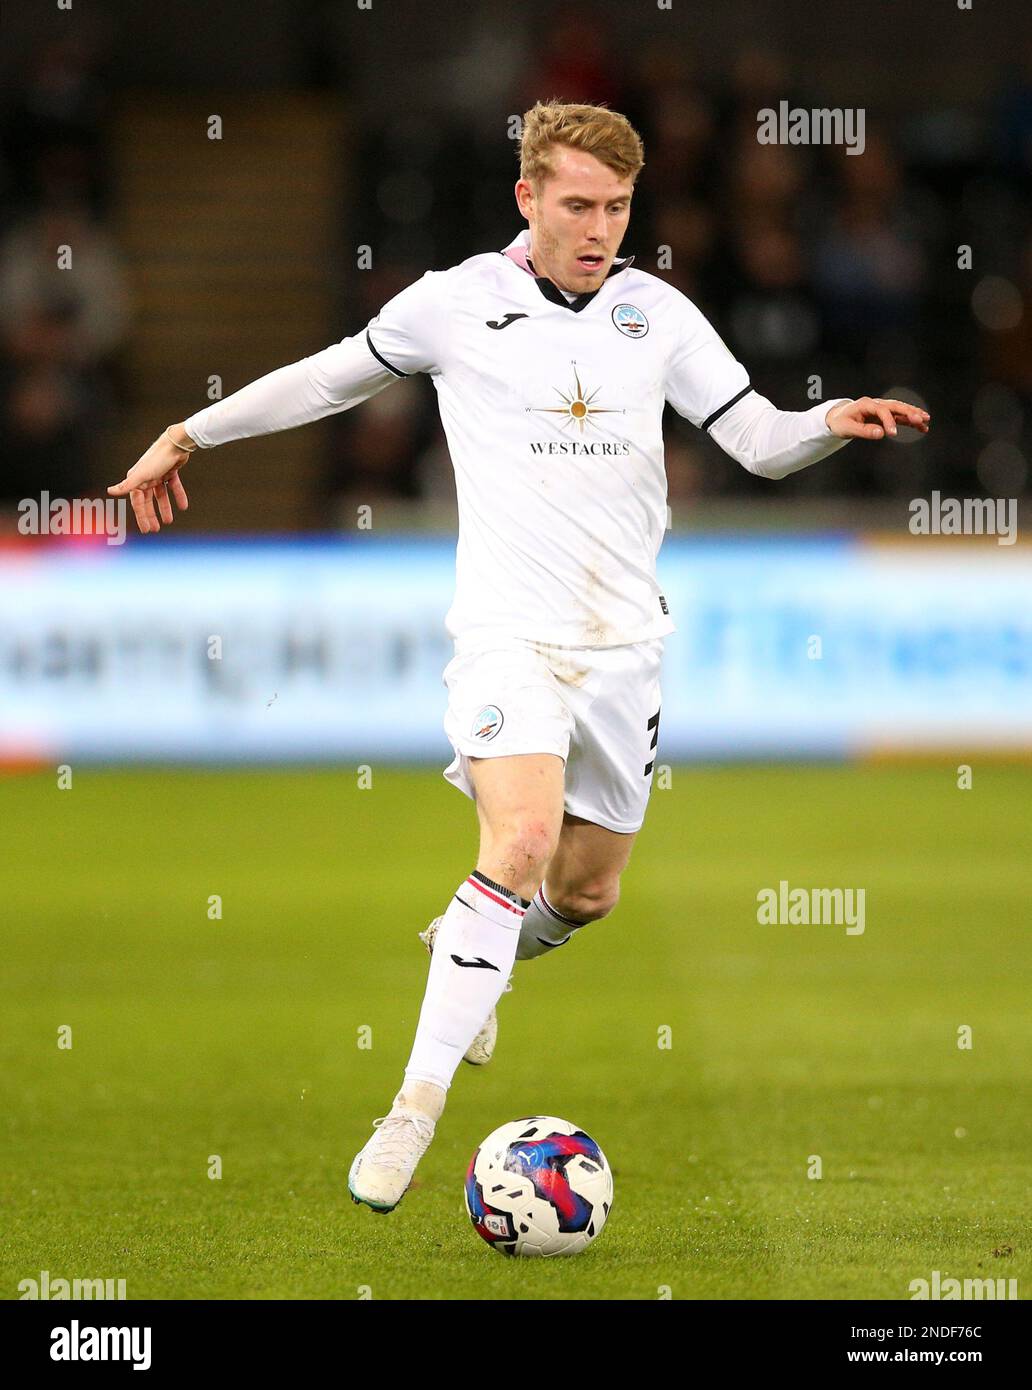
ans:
(149, 482)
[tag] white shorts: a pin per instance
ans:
(596, 707)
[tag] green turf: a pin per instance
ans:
(239, 1037)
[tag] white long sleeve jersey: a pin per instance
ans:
(552, 408)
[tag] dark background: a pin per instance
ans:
(390, 129)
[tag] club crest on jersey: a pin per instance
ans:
(487, 723)
(630, 321)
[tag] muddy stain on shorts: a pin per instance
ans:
(565, 663)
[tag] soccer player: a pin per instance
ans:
(552, 360)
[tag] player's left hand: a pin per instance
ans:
(154, 476)
(873, 418)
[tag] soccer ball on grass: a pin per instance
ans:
(539, 1186)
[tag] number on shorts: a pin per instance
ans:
(653, 724)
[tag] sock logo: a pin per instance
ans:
(479, 963)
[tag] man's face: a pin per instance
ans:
(577, 219)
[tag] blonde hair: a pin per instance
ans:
(594, 129)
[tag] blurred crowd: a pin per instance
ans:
(812, 263)
(64, 304)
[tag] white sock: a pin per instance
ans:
(543, 928)
(473, 956)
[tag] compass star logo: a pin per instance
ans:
(577, 407)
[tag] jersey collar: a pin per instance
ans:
(518, 251)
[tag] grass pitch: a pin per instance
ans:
(239, 1037)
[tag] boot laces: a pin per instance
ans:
(401, 1138)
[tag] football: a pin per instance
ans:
(538, 1186)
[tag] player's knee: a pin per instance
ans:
(526, 846)
(586, 902)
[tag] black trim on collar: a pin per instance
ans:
(554, 294)
(712, 419)
(382, 360)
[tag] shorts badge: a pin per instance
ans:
(487, 723)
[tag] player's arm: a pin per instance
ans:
(707, 385)
(773, 443)
(330, 381)
(404, 338)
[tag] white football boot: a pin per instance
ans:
(481, 1049)
(382, 1170)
